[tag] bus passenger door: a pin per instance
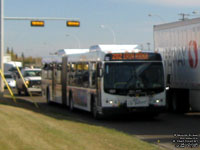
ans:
(57, 83)
(54, 82)
(98, 83)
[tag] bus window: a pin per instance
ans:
(93, 75)
(72, 72)
(85, 75)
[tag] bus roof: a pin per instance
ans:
(95, 53)
(57, 57)
(98, 52)
(62, 52)
(115, 48)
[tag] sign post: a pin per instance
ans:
(1, 45)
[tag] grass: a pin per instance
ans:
(23, 129)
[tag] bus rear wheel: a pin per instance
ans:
(48, 97)
(18, 92)
(71, 103)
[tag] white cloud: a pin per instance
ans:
(176, 2)
(181, 3)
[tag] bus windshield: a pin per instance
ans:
(124, 78)
(32, 73)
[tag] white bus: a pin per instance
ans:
(108, 79)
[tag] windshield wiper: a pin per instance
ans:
(129, 80)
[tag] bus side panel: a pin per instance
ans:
(80, 96)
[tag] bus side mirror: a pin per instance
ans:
(99, 70)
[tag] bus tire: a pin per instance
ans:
(26, 92)
(71, 103)
(169, 101)
(95, 112)
(18, 91)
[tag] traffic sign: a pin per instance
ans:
(73, 23)
(37, 23)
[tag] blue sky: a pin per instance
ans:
(127, 18)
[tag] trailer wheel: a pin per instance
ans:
(174, 102)
(185, 106)
(180, 101)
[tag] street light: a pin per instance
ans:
(111, 30)
(158, 16)
(148, 46)
(195, 12)
(2, 18)
(1, 44)
(76, 38)
(184, 16)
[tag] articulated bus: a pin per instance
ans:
(106, 79)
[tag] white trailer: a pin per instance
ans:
(179, 45)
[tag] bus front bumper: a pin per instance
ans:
(125, 110)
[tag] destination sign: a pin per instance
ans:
(133, 57)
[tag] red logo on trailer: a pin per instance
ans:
(193, 59)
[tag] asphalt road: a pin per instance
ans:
(159, 130)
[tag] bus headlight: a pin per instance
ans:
(110, 102)
(157, 101)
(167, 88)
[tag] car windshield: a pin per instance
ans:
(121, 78)
(32, 73)
(8, 76)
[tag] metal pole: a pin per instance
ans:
(76, 38)
(148, 46)
(1, 45)
(183, 16)
(38, 18)
(112, 31)
(161, 18)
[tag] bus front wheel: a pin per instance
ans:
(95, 111)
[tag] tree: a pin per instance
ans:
(16, 56)
(12, 54)
(8, 50)
(22, 55)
